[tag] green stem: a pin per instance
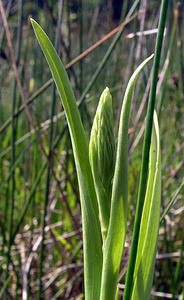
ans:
(161, 92)
(81, 43)
(146, 149)
(14, 125)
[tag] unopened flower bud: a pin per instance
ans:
(102, 154)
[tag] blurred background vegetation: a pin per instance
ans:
(37, 172)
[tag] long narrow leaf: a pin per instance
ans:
(146, 252)
(91, 226)
(114, 242)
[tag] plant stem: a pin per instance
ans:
(146, 149)
(14, 125)
(81, 43)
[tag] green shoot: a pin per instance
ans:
(103, 184)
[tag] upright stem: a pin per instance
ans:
(69, 30)
(13, 158)
(81, 44)
(146, 149)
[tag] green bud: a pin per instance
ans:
(102, 155)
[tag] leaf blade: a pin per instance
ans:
(114, 242)
(146, 252)
(91, 226)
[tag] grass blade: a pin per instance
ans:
(146, 252)
(91, 226)
(114, 242)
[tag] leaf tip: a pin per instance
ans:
(35, 25)
(32, 21)
(152, 55)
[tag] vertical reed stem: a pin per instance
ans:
(13, 158)
(81, 43)
(146, 149)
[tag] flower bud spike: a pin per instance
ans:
(102, 156)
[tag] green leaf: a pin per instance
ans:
(147, 243)
(115, 239)
(89, 206)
